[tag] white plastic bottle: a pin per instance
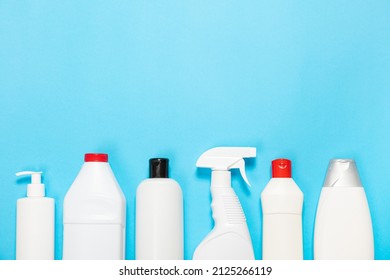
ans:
(343, 227)
(230, 238)
(35, 222)
(282, 203)
(94, 213)
(159, 215)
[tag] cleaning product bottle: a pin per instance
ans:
(282, 202)
(343, 228)
(159, 215)
(35, 222)
(229, 239)
(94, 213)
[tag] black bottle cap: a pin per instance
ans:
(158, 167)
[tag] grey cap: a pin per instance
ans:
(342, 173)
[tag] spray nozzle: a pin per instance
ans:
(36, 188)
(227, 158)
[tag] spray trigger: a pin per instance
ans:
(227, 158)
(241, 166)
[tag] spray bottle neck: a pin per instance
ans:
(221, 178)
(226, 208)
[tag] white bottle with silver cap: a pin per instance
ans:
(35, 222)
(343, 228)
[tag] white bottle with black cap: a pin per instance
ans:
(34, 222)
(159, 215)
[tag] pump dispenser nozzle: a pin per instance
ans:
(36, 188)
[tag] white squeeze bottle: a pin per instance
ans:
(343, 227)
(94, 213)
(282, 203)
(159, 215)
(230, 238)
(35, 222)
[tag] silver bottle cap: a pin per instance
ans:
(342, 173)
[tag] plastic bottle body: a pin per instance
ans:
(282, 203)
(230, 238)
(35, 228)
(94, 215)
(343, 228)
(159, 220)
(93, 241)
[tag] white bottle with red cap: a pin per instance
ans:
(159, 215)
(94, 213)
(282, 203)
(34, 222)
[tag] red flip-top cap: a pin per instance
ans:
(96, 157)
(281, 168)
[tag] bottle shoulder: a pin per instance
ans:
(343, 204)
(342, 194)
(159, 183)
(35, 200)
(46, 198)
(163, 188)
(280, 186)
(95, 179)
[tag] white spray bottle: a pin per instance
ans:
(229, 239)
(282, 203)
(35, 222)
(343, 227)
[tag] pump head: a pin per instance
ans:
(36, 188)
(227, 158)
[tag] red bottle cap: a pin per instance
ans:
(96, 158)
(281, 168)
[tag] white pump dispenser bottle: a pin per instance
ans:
(230, 238)
(35, 222)
(343, 227)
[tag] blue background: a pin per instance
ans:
(306, 80)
